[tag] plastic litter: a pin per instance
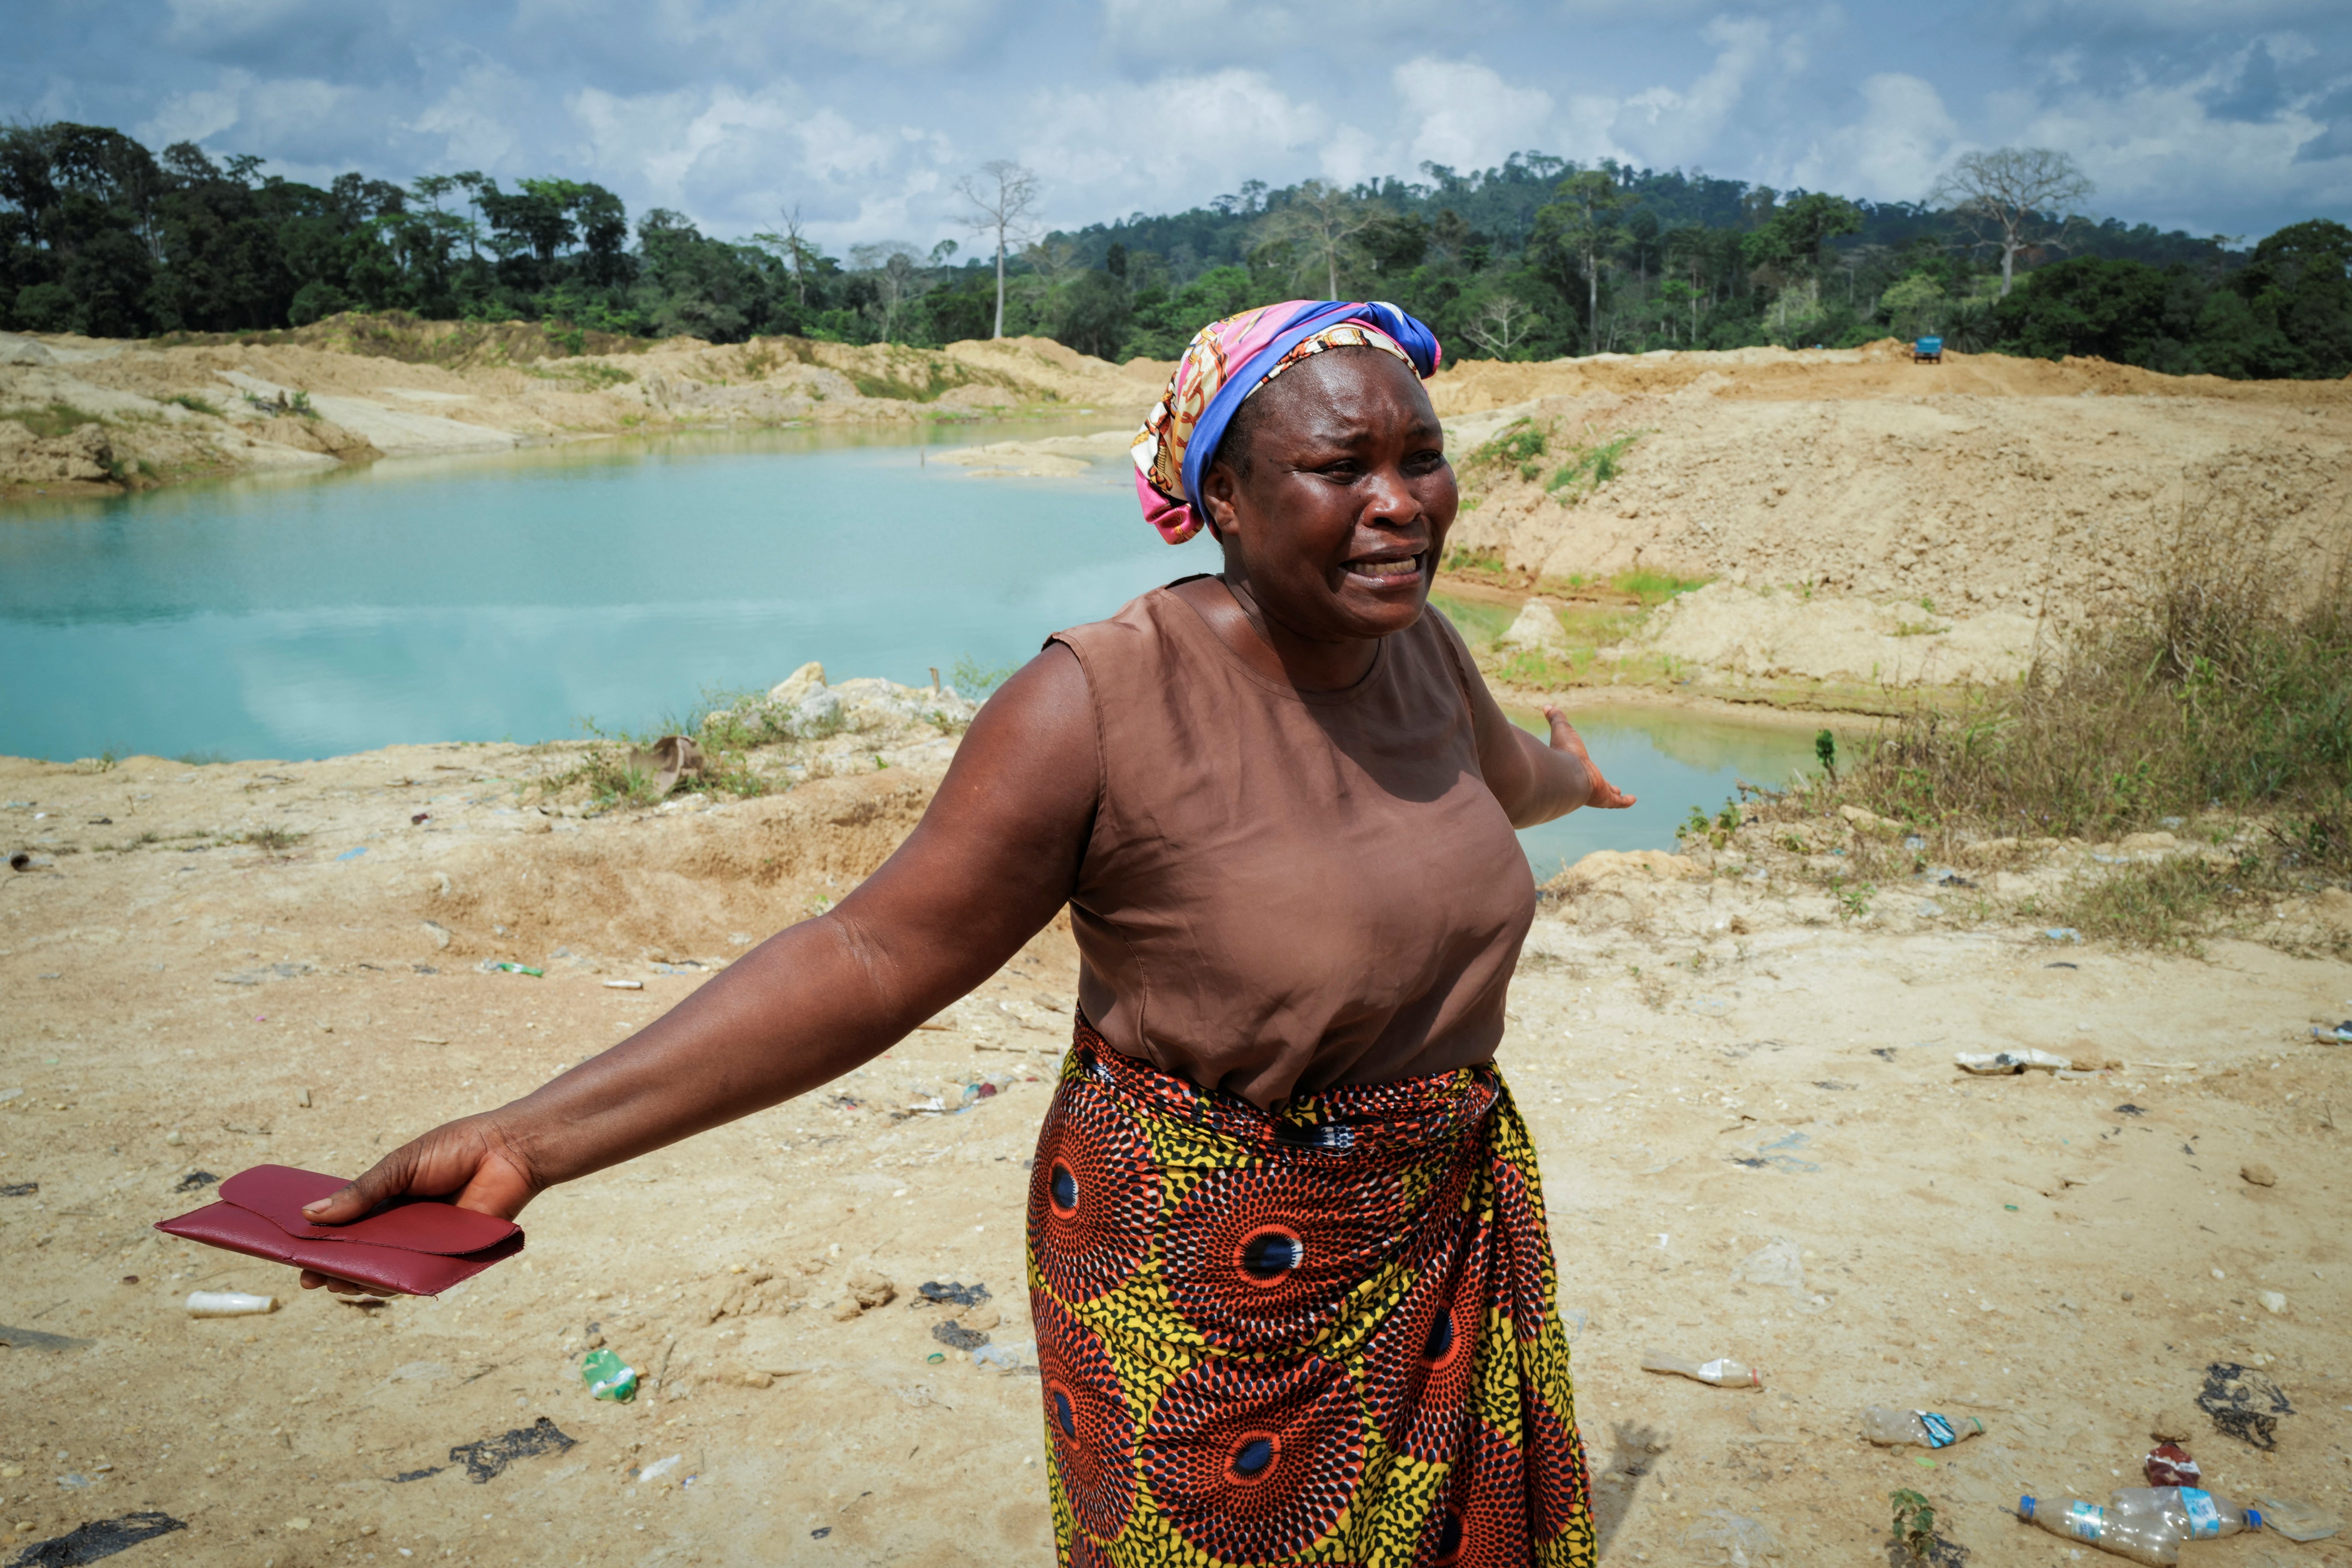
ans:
(1006, 1358)
(229, 1304)
(2169, 1465)
(1778, 1263)
(195, 1180)
(483, 1460)
(1919, 1428)
(504, 967)
(352, 854)
(2003, 1063)
(1721, 1373)
(2063, 933)
(1729, 1538)
(955, 1336)
(2151, 1540)
(625, 985)
(608, 1376)
(2340, 1035)
(2244, 1404)
(2298, 1520)
(659, 1469)
(97, 1541)
(951, 1293)
(2197, 1515)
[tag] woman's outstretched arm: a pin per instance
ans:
(993, 858)
(1534, 781)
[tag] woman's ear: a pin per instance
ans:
(1219, 497)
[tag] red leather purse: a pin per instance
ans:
(409, 1246)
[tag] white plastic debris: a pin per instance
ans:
(2001, 1064)
(229, 1304)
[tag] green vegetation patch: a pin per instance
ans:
(51, 420)
(1591, 464)
(2222, 696)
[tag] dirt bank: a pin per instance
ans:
(1728, 1082)
(1983, 483)
(83, 414)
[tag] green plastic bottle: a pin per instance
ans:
(608, 1376)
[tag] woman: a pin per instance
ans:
(1289, 1269)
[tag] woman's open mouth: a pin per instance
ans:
(1386, 571)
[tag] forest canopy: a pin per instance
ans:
(1536, 259)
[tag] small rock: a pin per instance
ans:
(1538, 629)
(870, 1289)
(2257, 1174)
(2169, 1426)
(756, 1379)
(2272, 1301)
(846, 1309)
(985, 1316)
(789, 691)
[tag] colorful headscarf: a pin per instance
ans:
(1227, 360)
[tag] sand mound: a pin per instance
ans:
(1784, 634)
(1987, 482)
(357, 388)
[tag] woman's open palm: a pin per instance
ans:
(1564, 738)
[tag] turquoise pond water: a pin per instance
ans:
(513, 597)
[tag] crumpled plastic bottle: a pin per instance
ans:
(2151, 1540)
(1921, 1429)
(608, 1376)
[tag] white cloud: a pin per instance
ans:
(1904, 139)
(1166, 30)
(476, 120)
(1464, 115)
(198, 114)
(1167, 143)
(1665, 126)
(2160, 156)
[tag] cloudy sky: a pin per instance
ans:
(2217, 116)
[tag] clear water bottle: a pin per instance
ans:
(2198, 1515)
(1920, 1429)
(1722, 1372)
(2149, 1539)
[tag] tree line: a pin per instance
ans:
(1536, 259)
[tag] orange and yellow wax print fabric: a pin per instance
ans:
(1323, 1334)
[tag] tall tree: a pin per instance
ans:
(1583, 222)
(891, 263)
(793, 245)
(1001, 197)
(1320, 222)
(2014, 199)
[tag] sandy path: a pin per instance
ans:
(2018, 1249)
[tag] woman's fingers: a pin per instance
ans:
(387, 1178)
(1564, 738)
(1607, 795)
(468, 1162)
(314, 1281)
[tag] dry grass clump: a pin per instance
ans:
(2224, 695)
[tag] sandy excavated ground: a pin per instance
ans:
(1984, 484)
(1713, 1068)
(185, 412)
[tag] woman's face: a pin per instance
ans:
(1341, 521)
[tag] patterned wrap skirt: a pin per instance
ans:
(1326, 1334)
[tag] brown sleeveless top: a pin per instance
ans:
(1286, 889)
